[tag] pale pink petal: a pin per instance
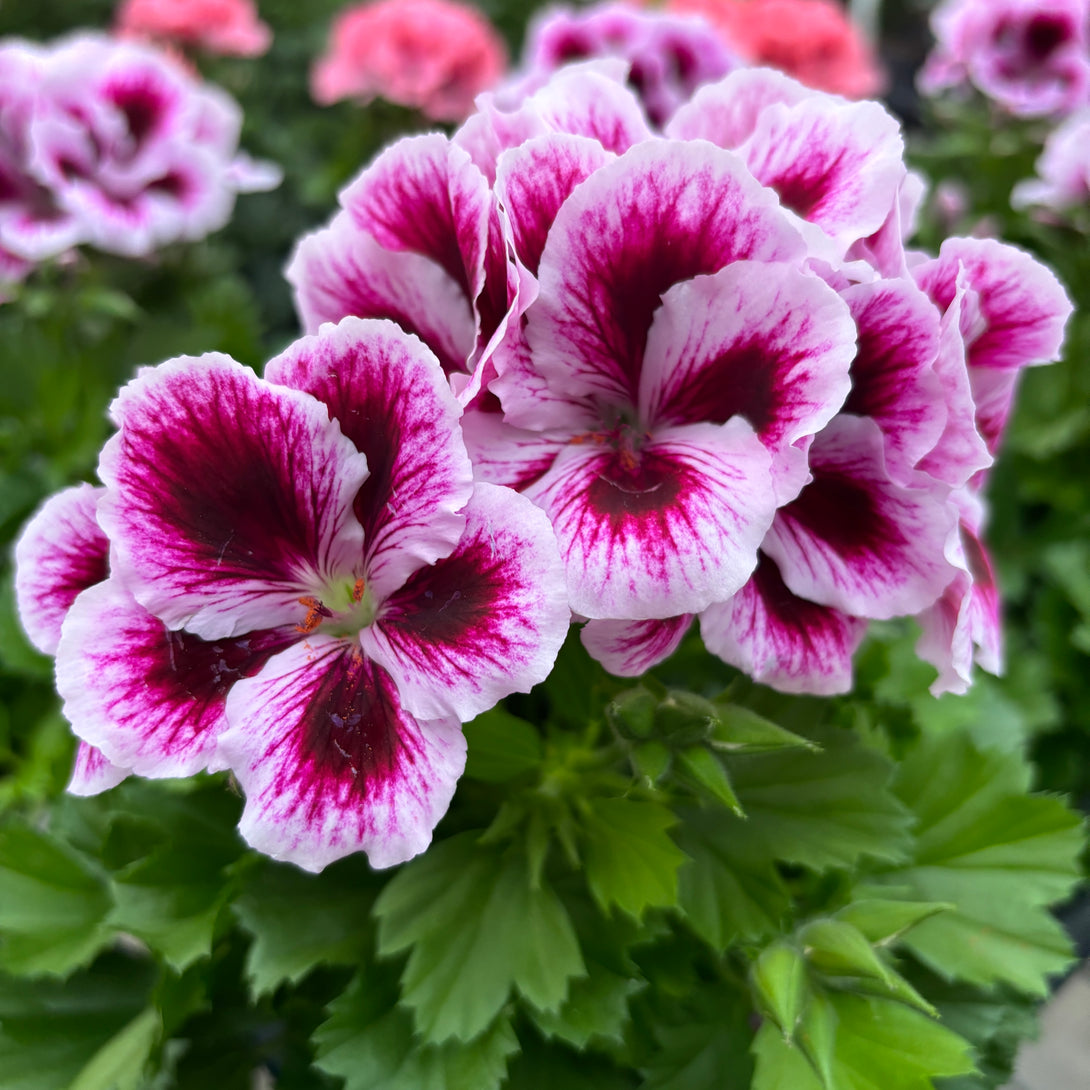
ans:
(782, 640)
(341, 271)
(631, 648)
(92, 772)
(482, 623)
(894, 380)
(726, 112)
(670, 522)
(854, 539)
(331, 763)
(389, 396)
(536, 178)
(762, 341)
(662, 213)
(60, 553)
(227, 498)
(151, 699)
(503, 454)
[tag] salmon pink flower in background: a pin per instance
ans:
(230, 27)
(813, 40)
(432, 55)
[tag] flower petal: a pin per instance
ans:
(854, 539)
(665, 531)
(341, 271)
(388, 394)
(92, 772)
(503, 454)
(766, 342)
(484, 622)
(894, 380)
(60, 553)
(227, 497)
(782, 640)
(631, 648)
(151, 699)
(662, 213)
(331, 763)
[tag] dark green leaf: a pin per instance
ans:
(501, 746)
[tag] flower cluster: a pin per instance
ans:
(230, 27)
(721, 374)
(432, 55)
(112, 144)
(565, 362)
(1032, 57)
(298, 579)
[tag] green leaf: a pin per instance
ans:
(880, 1045)
(780, 981)
(839, 949)
(369, 1042)
(630, 860)
(120, 1063)
(500, 747)
(52, 1031)
(739, 730)
(53, 904)
(596, 1007)
(823, 809)
(884, 922)
(729, 887)
(300, 920)
(550, 1066)
(707, 770)
(652, 760)
(997, 853)
(475, 928)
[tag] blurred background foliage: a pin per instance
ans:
(233, 987)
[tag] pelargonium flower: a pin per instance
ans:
(230, 27)
(815, 41)
(668, 56)
(1063, 169)
(724, 384)
(1032, 57)
(132, 148)
(432, 55)
(306, 587)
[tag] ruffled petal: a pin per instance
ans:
(662, 213)
(151, 699)
(484, 622)
(666, 529)
(93, 773)
(60, 553)
(331, 763)
(424, 195)
(388, 394)
(631, 648)
(856, 541)
(782, 640)
(227, 498)
(341, 271)
(894, 380)
(765, 342)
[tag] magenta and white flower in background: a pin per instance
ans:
(305, 586)
(1032, 57)
(1063, 169)
(668, 56)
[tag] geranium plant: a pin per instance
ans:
(512, 669)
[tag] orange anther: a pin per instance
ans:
(358, 589)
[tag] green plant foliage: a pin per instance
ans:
(998, 854)
(475, 928)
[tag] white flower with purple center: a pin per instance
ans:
(306, 586)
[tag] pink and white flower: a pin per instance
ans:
(1032, 57)
(1063, 170)
(307, 587)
